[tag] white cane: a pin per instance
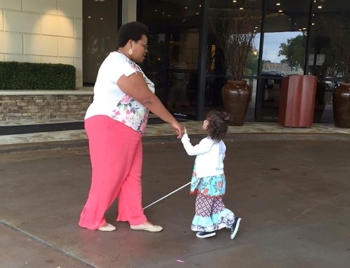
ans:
(178, 189)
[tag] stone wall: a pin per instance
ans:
(43, 106)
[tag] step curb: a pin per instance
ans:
(230, 137)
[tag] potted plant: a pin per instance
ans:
(340, 44)
(235, 31)
(335, 29)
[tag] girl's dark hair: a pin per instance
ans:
(217, 124)
(131, 30)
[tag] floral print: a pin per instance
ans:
(210, 212)
(211, 215)
(129, 111)
(212, 186)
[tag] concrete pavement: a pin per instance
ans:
(293, 197)
(163, 132)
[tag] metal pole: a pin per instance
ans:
(178, 189)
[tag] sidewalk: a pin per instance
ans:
(159, 132)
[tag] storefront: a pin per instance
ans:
(187, 66)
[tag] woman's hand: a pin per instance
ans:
(179, 129)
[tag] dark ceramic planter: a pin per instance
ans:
(236, 96)
(341, 106)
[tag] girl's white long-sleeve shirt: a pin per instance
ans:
(210, 155)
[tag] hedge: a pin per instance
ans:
(26, 75)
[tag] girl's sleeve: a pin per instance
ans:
(202, 147)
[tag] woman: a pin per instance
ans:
(115, 123)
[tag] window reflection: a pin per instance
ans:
(328, 36)
(100, 25)
(299, 38)
(173, 52)
(241, 22)
(284, 47)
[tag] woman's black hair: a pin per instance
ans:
(217, 124)
(131, 31)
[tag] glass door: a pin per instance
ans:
(173, 54)
(329, 36)
(283, 51)
(182, 72)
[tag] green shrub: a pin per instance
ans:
(26, 75)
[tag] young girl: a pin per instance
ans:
(208, 179)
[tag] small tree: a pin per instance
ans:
(235, 32)
(294, 51)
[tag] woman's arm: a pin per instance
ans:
(136, 87)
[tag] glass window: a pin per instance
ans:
(100, 26)
(283, 53)
(237, 23)
(329, 38)
(172, 61)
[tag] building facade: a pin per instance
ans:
(42, 31)
(184, 58)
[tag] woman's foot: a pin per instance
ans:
(147, 226)
(107, 227)
(205, 234)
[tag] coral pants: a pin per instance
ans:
(116, 160)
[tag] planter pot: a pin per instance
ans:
(341, 106)
(297, 101)
(236, 96)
